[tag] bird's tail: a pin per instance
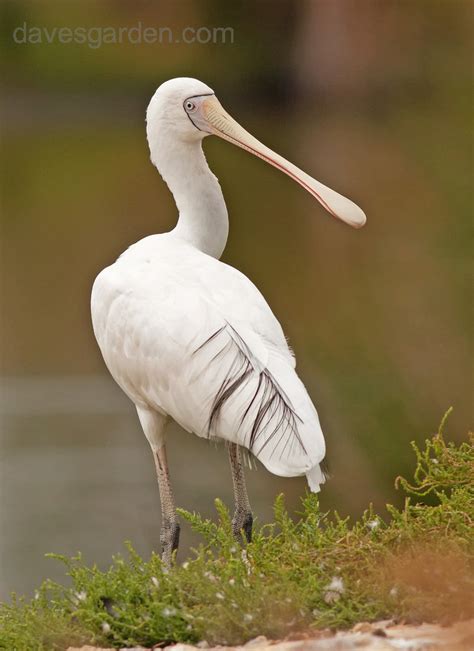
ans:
(315, 478)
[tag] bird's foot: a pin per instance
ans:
(242, 523)
(169, 538)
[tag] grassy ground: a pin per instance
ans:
(416, 563)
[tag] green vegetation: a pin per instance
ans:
(416, 564)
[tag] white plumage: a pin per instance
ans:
(155, 309)
(189, 337)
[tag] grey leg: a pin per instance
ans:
(154, 425)
(243, 519)
(169, 535)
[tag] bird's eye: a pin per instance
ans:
(189, 106)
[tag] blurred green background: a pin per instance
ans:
(373, 99)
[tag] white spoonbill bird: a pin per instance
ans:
(190, 338)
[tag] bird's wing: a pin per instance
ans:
(195, 339)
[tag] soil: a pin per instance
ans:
(380, 636)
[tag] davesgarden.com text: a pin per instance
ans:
(96, 37)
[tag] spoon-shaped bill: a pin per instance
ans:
(222, 124)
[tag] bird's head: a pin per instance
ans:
(188, 110)
(171, 105)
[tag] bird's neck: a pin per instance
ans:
(203, 220)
